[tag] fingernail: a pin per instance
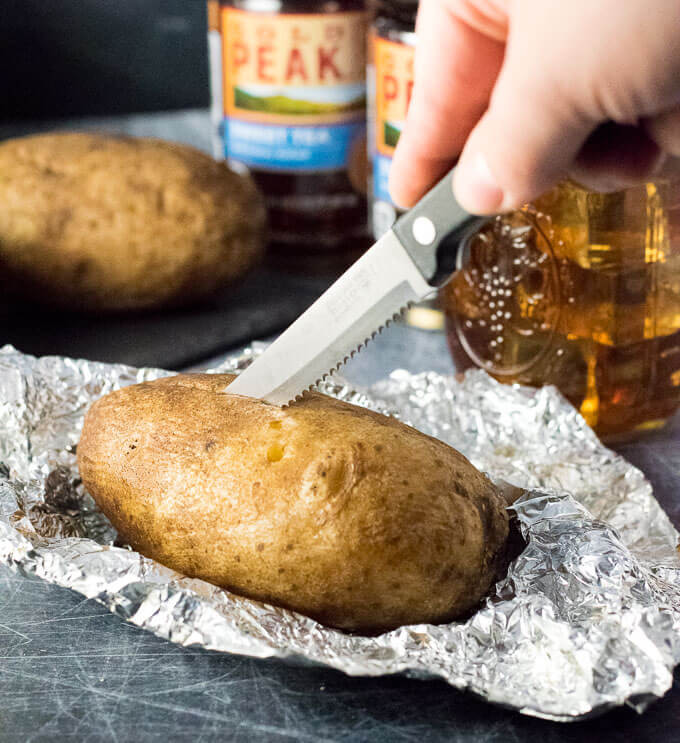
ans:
(394, 190)
(475, 186)
(397, 200)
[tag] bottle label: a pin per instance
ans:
(393, 64)
(294, 89)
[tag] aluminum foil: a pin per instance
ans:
(587, 618)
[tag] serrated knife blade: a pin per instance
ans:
(377, 286)
(405, 266)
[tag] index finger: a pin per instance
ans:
(455, 69)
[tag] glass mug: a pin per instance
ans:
(580, 290)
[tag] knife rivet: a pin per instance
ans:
(424, 230)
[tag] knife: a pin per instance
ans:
(406, 265)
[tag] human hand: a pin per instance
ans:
(528, 92)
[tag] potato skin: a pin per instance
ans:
(345, 515)
(104, 223)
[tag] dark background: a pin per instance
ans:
(63, 58)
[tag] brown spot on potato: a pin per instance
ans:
(81, 269)
(260, 546)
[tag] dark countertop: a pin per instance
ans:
(69, 670)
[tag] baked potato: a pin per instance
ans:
(105, 223)
(340, 513)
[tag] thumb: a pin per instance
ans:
(523, 144)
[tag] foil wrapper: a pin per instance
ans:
(587, 617)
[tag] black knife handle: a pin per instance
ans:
(423, 228)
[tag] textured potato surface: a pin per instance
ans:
(337, 512)
(104, 223)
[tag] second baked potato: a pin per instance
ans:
(104, 223)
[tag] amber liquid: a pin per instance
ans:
(583, 292)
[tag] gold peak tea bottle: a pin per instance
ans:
(390, 83)
(295, 115)
(580, 290)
